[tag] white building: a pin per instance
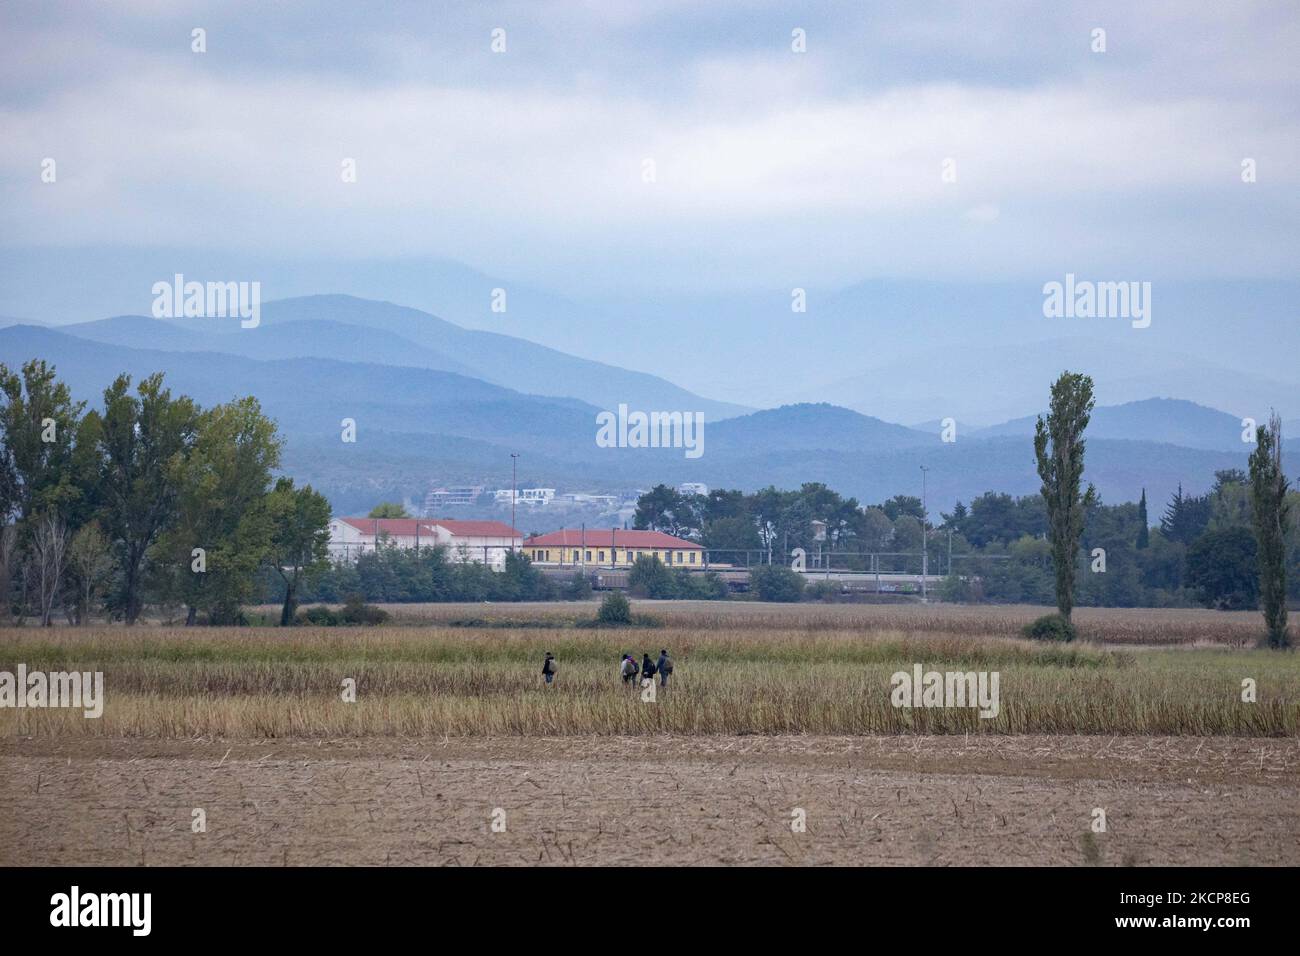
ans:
(532, 497)
(693, 488)
(455, 497)
(481, 541)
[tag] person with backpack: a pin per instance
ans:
(549, 668)
(628, 670)
(664, 667)
(647, 670)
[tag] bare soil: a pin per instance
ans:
(659, 800)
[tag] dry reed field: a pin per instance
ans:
(760, 670)
(770, 709)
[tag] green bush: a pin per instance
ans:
(614, 609)
(317, 616)
(776, 583)
(1051, 627)
(826, 591)
(700, 587)
(575, 588)
(954, 589)
(357, 611)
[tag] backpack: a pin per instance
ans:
(629, 668)
(668, 665)
(549, 666)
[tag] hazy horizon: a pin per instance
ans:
(761, 205)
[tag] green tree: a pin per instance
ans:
(39, 425)
(1230, 499)
(388, 509)
(298, 549)
(877, 531)
(776, 583)
(1144, 528)
(651, 578)
(731, 533)
(1222, 565)
(90, 562)
(664, 509)
(221, 510)
(1268, 485)
(1185, 517)
(903, 505)
(522, 581)
(1059, 449)
(144, 440)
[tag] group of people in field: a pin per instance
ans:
(628, 669)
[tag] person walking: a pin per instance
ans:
(647, 670)
(665, 667)
(628, 670)
(549, 668)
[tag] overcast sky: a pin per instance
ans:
(773, 168)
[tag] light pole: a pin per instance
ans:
(514, 474)
(925, 553)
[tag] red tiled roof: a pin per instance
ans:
(405, 527)
(476, 529)
(597, 537)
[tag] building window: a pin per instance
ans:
(575, 556)
(692, 557)
(588, 556)
(601, 559)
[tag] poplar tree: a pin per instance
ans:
(1059, 446)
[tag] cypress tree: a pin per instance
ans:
(1268, 486)
(1144, 532)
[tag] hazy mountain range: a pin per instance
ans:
(439, 404)
(901, 349)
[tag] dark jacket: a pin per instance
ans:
(663, 659)
(548, 666)
(647, 669)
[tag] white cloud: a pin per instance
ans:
(763, 159)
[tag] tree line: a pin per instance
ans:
(1230, 548)
(149, 499)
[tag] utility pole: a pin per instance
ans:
(514, 477)
(925, 552)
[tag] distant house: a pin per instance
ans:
(481, 541)
(457, 497)
(611, 548)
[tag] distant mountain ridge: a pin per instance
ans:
(347, 328)
(1170, 421)
(420, 427)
